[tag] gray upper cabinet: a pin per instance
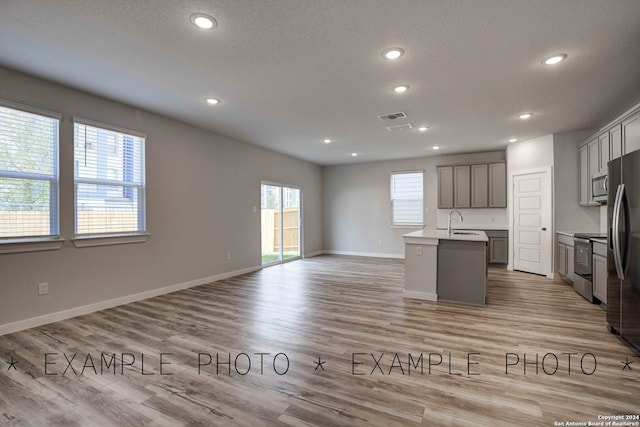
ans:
(445, 187)
(474, 186)
(461, 186)
(603, 147)
(615, 142)
(498, 185)
(584, 175)
(631, 134)
(479, 186)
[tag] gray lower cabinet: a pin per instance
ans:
(599, 266)
(564, 258)
(498, 246)
(462, 271)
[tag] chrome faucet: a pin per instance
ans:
(449, 222)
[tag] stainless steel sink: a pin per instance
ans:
(468, 233)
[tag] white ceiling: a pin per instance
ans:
(293, 72)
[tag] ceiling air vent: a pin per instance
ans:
(399, 127)
(393, 116)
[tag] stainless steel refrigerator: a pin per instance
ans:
(623, 258)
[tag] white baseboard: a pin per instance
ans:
(427, 296)
(366, 254)
(103, 305)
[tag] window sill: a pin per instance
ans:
(414, 226)
(30, 245)
(109, 239)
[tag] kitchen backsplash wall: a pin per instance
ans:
(483, 219)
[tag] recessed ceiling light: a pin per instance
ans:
(326, 141)
(435, 147)
(401, 89)
(423, 128)
(212, 101)
(393, 53)
(354, 154)
(513, 140)
(526, 116)
(555, 59)
(203, 21)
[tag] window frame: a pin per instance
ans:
(119, 237)
(51, 241)
(393, 222)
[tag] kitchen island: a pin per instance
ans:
(443, 266)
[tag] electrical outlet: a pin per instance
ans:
(255, 209)
(418, 250)
(229, 256)
(379, 242)
(43, 288)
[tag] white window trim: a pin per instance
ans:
(30, 109)
(109, 239)
(403, 225)
(91, 240)
(30, 245)
(34, 244)
(93, 123)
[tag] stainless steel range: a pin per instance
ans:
(582, 264)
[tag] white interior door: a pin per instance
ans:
(532, 246)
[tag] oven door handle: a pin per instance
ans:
(617, 257)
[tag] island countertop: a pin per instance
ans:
(434, 235)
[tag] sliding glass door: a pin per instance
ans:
(280, 223)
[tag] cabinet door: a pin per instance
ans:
(603, 143)
(479, 186)
(461, 186)
(615, 142)
(600, 278)
(631, 134)
(562, 259)
(585, 183)
(498, 185)
(594, 167)
(498, 250)
(445, 187)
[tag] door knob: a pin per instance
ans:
(544, 229)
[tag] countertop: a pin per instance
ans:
(566, 233)
(598, 240)
(433, 234)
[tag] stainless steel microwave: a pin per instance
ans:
(599, 189)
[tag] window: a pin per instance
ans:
(28, 174)
(109, 179)
(406, 198)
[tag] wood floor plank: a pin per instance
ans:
(386, 360)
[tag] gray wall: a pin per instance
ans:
(357, 208)
(202, 188)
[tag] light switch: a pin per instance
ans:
(418, 250)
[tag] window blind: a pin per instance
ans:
(28, 174)
(406, 198)
(109, 177)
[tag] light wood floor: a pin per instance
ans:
(329, 307)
